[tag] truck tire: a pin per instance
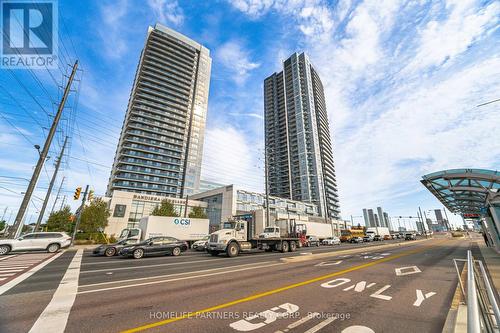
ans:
(284, 247)
(232, 250)
(293, 246)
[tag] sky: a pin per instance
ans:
(403, 81)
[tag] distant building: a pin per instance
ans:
(206, 185)
(371, 218)
(380, 214)
(365, 217)
(227, 201)
(298, 143)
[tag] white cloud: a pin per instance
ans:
(167, 11)
(236, 60)
(229, 158)
(110, 29)
(389, 128)
(442, 41)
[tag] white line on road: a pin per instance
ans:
(176, 279)
(7, 257)
(55, 316)
(258, 264)
(27, 274)
(320, 325)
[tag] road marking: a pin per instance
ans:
(378, 293)
(265, 317)
(27, 274)
(175, 274)
(55, 316)
(303, 320)
(7, 257)
(357, 329)
(321, 325)
(407, 270)
(278, 290)
(171, 280)
(421, 297)
(326, 263)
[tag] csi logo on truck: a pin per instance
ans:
(183, 222)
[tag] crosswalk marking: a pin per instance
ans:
(16, 264)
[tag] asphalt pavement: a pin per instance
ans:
(406, 287)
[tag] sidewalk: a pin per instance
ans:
(492, 263)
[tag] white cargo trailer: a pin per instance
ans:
(186, 229)
(382, 231)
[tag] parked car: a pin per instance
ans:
(49, 241)
(387, 237)
(331, 241)
(394, 236)
(201, 245)
(377, 238)
(312, 241)
(110, 250)
(367, 238)
(155, 246)
(356, 240)
(410, 236)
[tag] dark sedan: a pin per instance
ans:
(155, 246)
(110, 250)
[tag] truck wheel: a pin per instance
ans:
(293, 246)
(232, 250)
(284, 247)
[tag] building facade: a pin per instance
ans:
(299, 154)
(227, 201)
(161, 142)
(127, 209)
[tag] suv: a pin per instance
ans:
(312, 241)
(49, 241)
(410, 236)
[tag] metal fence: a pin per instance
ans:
(483, 314)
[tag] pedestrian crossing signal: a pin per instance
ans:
(77, 193)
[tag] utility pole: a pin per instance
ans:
(63, 202)
(79, 215)
(186, 206)
(49, 190)
(57, 196)
(41, 159)
(268, 218)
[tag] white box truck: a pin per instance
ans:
(381, 231)
(182, 228)
(319, 229)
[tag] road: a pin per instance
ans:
(406, 287)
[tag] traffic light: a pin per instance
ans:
(91, 195)
(77, 193)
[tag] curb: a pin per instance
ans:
(302, 258)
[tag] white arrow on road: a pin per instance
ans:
(421, 297)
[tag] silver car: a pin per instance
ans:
(49, 241)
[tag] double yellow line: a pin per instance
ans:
(278, 290)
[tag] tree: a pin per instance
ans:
(197, 213)
(94, 216)
(60, 220)
(2, 225)
(165, 208)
